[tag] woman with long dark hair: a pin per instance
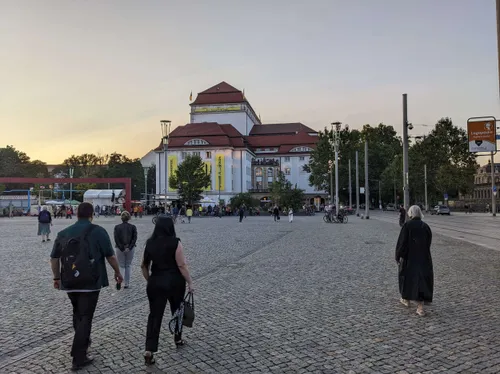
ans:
(165, 269)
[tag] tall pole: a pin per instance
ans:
(395, 195)
(493, 187)
(380, 195)
(331, 183)
(425, 180)
(357, 183)
(350, 187)
(165, 129)
(336, 145)
(367, 185)
(406, 191)
(146, 184)
(71, 170)
(498, 38)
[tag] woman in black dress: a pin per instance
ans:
(413, 255)
(165, 269)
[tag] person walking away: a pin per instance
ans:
(175, 213)
(97, 210)
(125, 235)
(402, 216)
(189, 213)
(135, 210)
(276, 213)
(84, 277)
(413, 255)
(44, 223)
(182, 214)
(290, 215)
(242, 213)
(165, 269)
(141, 210)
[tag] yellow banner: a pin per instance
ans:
(219, 172)
(208, 171)
(226, 108)
(172, 167)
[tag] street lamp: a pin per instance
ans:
(146, 170)
(336, 145)
(406, 126)
(165, 132)
(71, 171)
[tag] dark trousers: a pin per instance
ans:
(84, 304)
(241, 217)
(159, 292)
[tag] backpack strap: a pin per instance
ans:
(85, 234)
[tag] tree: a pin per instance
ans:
(286, 195)
(244, 198)
(86, 165)
(190, 179)
(152, 177)
(120, 166)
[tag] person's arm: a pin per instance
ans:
(402, 246)
(146, 262)
(55, 263)
(134, 237)
(117, 238)
(182, 264)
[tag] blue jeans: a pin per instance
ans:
(125, 261)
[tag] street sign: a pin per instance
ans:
(494, 188)
(481, 134)
(445, 196)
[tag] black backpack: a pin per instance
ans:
(44, 216)
(78, 269)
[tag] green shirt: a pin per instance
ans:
(100, 247)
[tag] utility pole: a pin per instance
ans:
(367, 184)
(380, 194)
(493, 187)
(406, 126)
(350, 187)
(165, 129)
(336, 144)
(425, 180)
(357, 184)
(331, 181)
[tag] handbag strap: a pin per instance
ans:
(189, 298)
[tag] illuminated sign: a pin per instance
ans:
(482, 135)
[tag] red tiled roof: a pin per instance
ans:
(301, 139)
(221, 93)
(280, 128)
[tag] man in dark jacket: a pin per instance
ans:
(402, 216)
(125, 240)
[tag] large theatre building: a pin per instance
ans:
(240, 153)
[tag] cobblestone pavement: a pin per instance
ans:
(307, 297)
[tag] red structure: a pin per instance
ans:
(125, 181)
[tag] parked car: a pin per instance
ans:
(390, 207)
(441, 210)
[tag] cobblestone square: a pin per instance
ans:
(306, 297)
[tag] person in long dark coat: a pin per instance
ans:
(402, 216)
(413, 255)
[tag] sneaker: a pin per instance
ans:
(405, 302)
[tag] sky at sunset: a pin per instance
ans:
(98, 76)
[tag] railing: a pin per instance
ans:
(266, 162)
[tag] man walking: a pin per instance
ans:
(402, 216)
(78, 266)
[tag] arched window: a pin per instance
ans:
(270, 175)
(258, 172)
(196, 142)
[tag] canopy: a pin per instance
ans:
(102, 194)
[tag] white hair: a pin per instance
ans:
(415, 212)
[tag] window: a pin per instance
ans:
(196, 142)
(197, 154)
(270, 175)
(258, 172)
(183, 155)
(208, 155)
(301, 149)
(287, 171)
(302, 158)
(287, 159)
(258, 185)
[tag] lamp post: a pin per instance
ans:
(336, 145)
(146, 169)
(165, 132)
(71, 171)
(406, 126)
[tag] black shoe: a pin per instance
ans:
(48, 239)
(149, 359)
(43, 241)
(80, 365)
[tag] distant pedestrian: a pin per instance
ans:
(402, 216)
(165, 269)
(125, 235)
(189, 213)
(84, 276)
(44, 223)
(242, 213)
(276, 213)
(413, 255)
(97, 210)
(290, 215)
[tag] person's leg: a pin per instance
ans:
(86, 303)
(175, 301)
(129, 256)
(120, 256)
(420, 308)
(157, 303)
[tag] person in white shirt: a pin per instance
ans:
(290, 215)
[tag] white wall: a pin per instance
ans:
(240, 120)
(148, 159)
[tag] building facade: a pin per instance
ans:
(482, 183)
(239, 152)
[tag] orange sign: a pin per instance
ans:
(482, 135)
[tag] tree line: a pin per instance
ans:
(450, 166)
(15, 163)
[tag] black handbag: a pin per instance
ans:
(188, 317)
